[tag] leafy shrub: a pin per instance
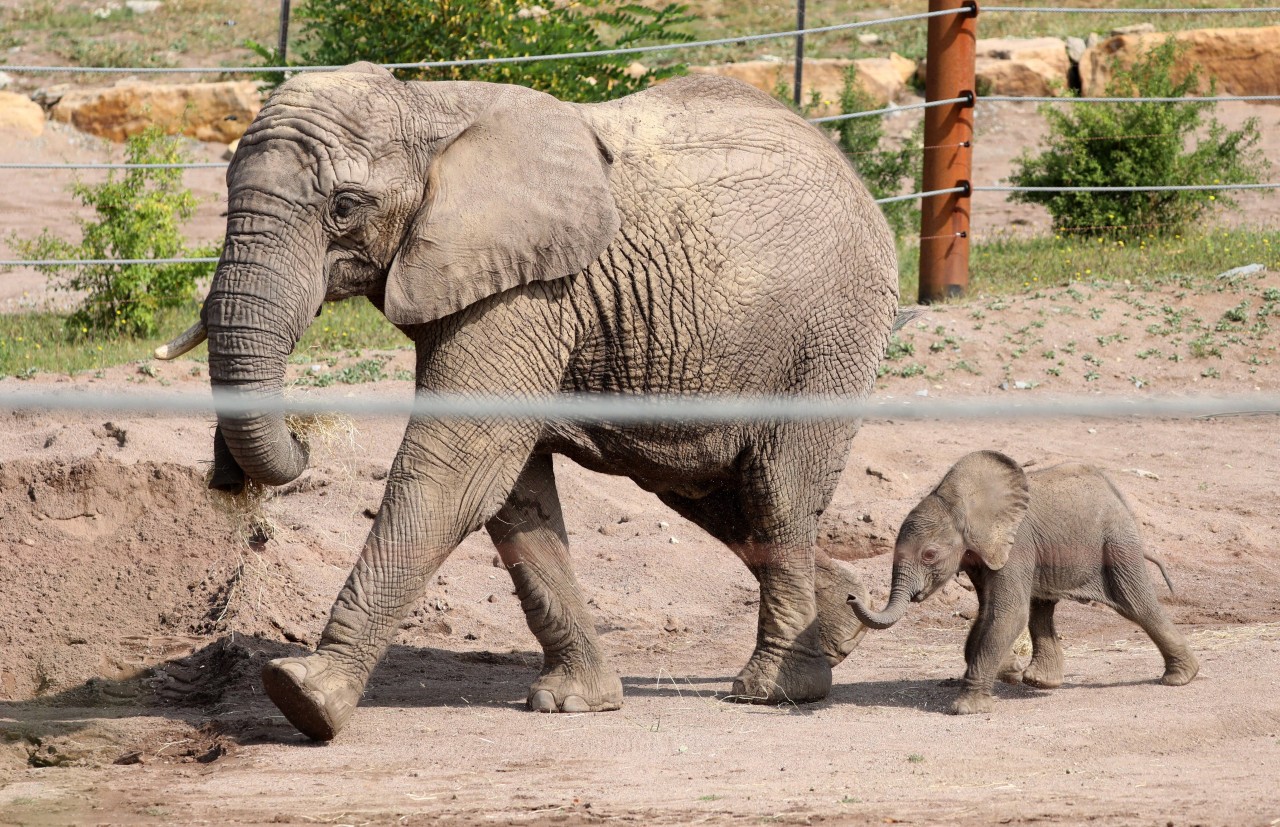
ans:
(336, 32)
(1138, 144)
(138, 217)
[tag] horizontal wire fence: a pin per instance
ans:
(625, 409)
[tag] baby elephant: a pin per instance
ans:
(1026, 542)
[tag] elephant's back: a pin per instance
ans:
(751, 227)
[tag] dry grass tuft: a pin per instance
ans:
(1022, 646)
(247, 510)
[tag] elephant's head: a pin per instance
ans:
(972, 515)
(425, 197)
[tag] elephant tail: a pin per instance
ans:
(1160, 565)
(906, 315)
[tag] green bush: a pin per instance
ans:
(336, 32)
(138, 216)
(1138, 144)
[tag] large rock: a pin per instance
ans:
(1243, 61)
(206, 111)
(1019, 78)
(884, 79)
(20, 116)
(1020, 66)
(1050, 50)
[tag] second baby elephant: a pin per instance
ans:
(696, 238)
(1026, 542)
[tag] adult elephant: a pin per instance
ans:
(695, 238)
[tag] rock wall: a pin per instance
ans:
(206, 111)
(1243, 61)
(884, 79)
(20, 116)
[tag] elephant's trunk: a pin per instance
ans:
(893, 611)
(253, 326)
(905, 586)
(227, 474)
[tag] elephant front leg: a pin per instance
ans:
(988, 648)
(530, 536)
(433, 500)
(318, 693)
(1045, 669)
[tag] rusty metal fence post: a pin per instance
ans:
(948, 140)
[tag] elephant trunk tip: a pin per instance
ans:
(878, 620)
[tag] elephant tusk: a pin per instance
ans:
(183, 342)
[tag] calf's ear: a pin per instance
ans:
(986, 493)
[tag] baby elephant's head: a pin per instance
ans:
(972, 515)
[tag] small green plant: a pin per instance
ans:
(899, 349)
(336, 32)
(1138, 144)
(138, 216)
(915, 758)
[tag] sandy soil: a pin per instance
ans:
(134, 619)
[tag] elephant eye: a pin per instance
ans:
(929, 555)
(345, 205)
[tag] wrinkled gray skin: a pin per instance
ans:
(693, 238)
(1026, 542)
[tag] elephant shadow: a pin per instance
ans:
(216, 692)
(926, 695)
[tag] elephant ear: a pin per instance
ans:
(521, 195)
(987, 495)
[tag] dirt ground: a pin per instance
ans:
(134, 618)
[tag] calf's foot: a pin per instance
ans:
(1180, 670)
(971, 703)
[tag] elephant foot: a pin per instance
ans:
(1042, 675)
(1179, 672)
(561, 689)
(316, 697)
(972, 703)
(839, 631)
(770, 678)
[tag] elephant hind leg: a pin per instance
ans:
(789, 664)
(1132, 595)
(529, 533)
(1045, 669)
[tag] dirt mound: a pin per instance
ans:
(110, 569)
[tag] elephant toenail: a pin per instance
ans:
(542, 701)
(295, 669)
(573, 703)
